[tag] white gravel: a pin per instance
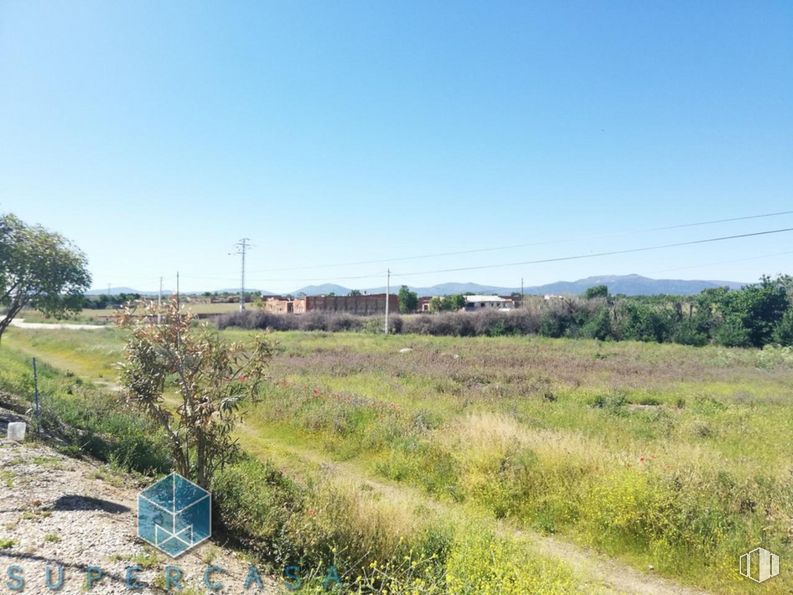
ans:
(55, 510)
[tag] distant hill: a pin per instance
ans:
(632, 285)
(235, 290)
(449, 289)
(624, 284)
(113, 291)
(323, 289)
(120, 290)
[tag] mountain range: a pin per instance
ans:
(617, 284)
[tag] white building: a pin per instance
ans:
(487, 302)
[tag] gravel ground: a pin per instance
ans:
(55, 510)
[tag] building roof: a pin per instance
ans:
(485, 298)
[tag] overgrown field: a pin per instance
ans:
(668, 456)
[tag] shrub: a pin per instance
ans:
(598, 326)
(783, 333)
(481, 562)
(254, 501)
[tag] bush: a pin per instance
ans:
(257, 319)
(783, 333)
(752, 316)
(732, 333)
(689, 332)
(598, 326)
(254, 501)
(481, 562)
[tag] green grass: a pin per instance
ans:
(6, 543)
(85, 416)
(661, 455)
(658, 454)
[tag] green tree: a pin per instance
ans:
(598, 291)
(354, 292)
(454, 302)
(408, 300)
(783, 333)
(598, 326)
(752, 313)
(643, 322)
(39, 269)
(213, 379)
(447, 303)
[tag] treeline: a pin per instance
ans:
(754, 316)
(104, 301)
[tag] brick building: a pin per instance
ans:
(349, 304)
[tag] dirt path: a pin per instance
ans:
(20, 323)
(598, 573)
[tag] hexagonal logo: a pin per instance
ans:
(759, 565)
(174, 515)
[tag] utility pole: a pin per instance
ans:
(242, 246)
(159, 305)
(521, 292)
(387, 297)
(177, 292)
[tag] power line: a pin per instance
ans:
(524, 245)
(599, 254)
(538, 261)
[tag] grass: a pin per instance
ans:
(83, 415)
(654, 453)
(89, 316)
(661, 455)
(146, 559)
(7, 478)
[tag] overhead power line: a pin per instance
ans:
(531, 262)
(600, 254)
(521, 245)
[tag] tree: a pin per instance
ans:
(783, 334)
(408, 300)
(455, 302)
(354, 292)
(447, 303)
(39, 269)
(213, 380)
(597, 291)
(752, 313)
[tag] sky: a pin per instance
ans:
(155, 135)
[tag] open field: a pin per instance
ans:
(662, 456)
(108, 314)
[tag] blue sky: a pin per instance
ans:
(156, 134)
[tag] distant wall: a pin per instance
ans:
(352, 304)
(362, 305)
